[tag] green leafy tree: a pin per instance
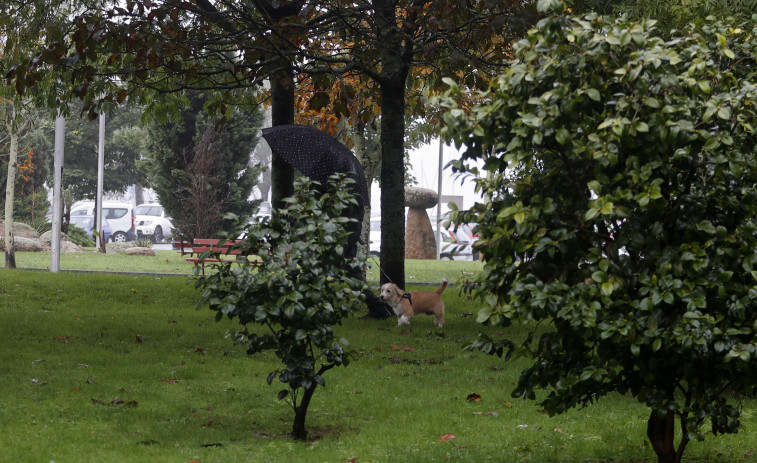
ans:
(621, 172)
(124, 140)
(201, 170)
(146, 49)
(671, 15)
(304, 286)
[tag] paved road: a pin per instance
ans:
(162, 247)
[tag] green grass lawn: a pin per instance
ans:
(172, 262)
(101, 367)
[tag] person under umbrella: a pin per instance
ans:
(317, 155)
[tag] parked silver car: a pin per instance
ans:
(152, 222)
(119, 215)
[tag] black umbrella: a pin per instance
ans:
(317, 155)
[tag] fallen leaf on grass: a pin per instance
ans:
(169, 381)
(447, 437)
(350, 460)
(466, 314)
(62, 339)
(558, 430)
(473, 397)
(200, 350)
(494, 414)
(38, 382)
(115, 401)
(406, 348)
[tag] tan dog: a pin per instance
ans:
(406, 305)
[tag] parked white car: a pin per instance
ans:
(119, 215)
(152, 222)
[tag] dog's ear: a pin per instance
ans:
(398, 291)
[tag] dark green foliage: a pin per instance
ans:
(80, 237)
(672, 14)
(34, 161)
(304, 286)
(124, 138)
(621, 172)
(200, 170)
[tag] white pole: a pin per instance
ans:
(100, 175)
(439, 203)
(60, 135)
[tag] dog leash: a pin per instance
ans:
(404, 296)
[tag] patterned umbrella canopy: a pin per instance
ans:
(318, 155)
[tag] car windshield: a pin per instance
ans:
(82, 221)
(149, 210)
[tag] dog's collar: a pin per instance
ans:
(408, 297)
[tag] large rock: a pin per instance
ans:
(66, 245)
(420, 242)
(69, 246)
(138, 251)
(118, 248)
(28, 244)
(421, 198)
(20, 230)
(47, 237)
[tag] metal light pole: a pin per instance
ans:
(60, 135)
(439, 203)
(100, 175)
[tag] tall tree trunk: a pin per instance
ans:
(299, 431)
(139, 195)
(10, 192)
(282, 113)
(661, 434)
(369, 162)
(394, 73)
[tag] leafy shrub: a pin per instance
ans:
(303, 287)
(80, 237)
(143, 243)
(621, 172)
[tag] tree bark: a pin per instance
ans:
(299, 431)
(369, 164)
(10, 191)
(661, 434)
(394, 73)
(282, 113)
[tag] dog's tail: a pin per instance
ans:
(443, 286)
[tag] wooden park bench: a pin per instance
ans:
(183, 246)
(219, 247)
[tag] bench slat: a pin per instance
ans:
(220, 246)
